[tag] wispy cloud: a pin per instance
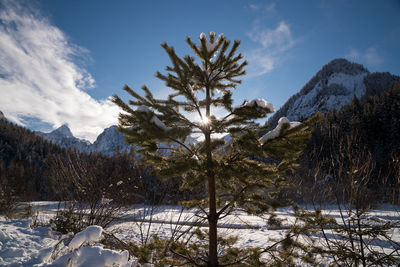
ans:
(39, 76)
(274, 43)
(267, 8)
(370, 57)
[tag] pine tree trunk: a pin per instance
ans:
(212, 216)
(212, 223)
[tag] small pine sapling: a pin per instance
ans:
(236, 173)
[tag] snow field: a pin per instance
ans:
(19, 243)
(22, 246)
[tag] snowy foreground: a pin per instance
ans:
(21, 245)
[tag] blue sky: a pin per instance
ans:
(60, 61)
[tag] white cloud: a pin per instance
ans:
(268, 8)
(278, 39)
(274, 44)
(369, 57)
(353, 54)
(372, 57)
(39, 78)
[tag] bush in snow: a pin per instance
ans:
(356, 238)
(94, 194)
(372, 123)
(67, 220)
(8, 199)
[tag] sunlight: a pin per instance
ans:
(205, 120)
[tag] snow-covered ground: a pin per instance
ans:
(21, 245)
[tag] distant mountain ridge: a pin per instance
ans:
(334, 86)
(63, 137)
(108, 142)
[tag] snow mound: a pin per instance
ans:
(93, 257)
(283, 120)
(20, 245)
(276, 132)
(91, 234)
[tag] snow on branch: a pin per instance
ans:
(196, 158)
(143, 108)
(260, 102)
(276, 132)
(159, 123)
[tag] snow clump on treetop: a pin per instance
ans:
(210, 46)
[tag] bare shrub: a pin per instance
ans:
(87, 190)
(8, 200)
(357, 237)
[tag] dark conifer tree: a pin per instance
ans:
(235, 172)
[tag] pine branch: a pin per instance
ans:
(230, 204)
(188, 258)
(182, 144)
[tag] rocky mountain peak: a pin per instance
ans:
(342, 65)
(339, 65)
(64, 131)
(109, 141)
(63, 137)
(334, 86)
(2, 115)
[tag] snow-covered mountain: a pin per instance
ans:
(334, 86)
(63, 137)
(107, 142)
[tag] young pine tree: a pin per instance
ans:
(235, 173)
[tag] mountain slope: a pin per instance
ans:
(63, 137)
(360, 141)
(109, 141)
(24, 159)
(334, 86)
(32, 168)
